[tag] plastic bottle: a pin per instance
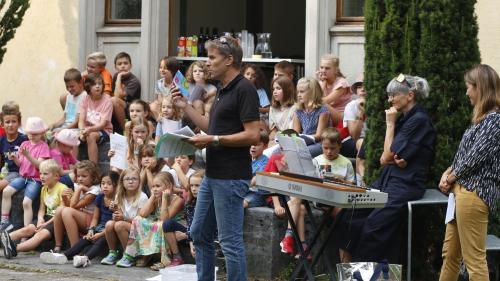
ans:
(189, 46)
(194, 48)
(181, 46)
(4, 172)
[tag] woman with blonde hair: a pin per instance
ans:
(474, 179)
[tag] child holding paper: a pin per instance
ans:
(170, 120)
(168, 68)
(139, 135)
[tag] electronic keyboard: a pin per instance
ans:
(330, 193)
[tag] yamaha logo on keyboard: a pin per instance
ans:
(295, 187)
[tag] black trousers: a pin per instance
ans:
(98, 248)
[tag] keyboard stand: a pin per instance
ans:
(304, 268)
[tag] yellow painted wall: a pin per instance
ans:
(44, 46)
(489, 32)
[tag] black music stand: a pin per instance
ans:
(304, 268)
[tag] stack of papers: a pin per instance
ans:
(174, 144)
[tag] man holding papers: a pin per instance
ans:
(232, 127)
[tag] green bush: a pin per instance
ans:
(11, 18)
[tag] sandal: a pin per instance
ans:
(143, 261)
(157, 266)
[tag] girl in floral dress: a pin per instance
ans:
(146, 234)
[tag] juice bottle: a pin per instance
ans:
(181, 46)
(189, 45)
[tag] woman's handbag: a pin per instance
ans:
(369, 271)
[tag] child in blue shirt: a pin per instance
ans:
(10, 143)
(256, 197)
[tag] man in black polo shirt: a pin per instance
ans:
(233, 126)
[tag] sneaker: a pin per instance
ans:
(53, 258)
(218, 249)
(287, 245)
(110, 259)
(9, 248)
(81, 261)
(126, 261)
(176, 262)
(6, 225)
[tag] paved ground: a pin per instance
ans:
(27, 267)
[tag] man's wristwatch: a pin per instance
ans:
(215, 140)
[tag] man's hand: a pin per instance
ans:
(178, 100)
(200, 141)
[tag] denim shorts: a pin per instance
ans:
(103, 137)
(11, 176)
(32, 186)
(254, 199)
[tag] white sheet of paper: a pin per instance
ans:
(450, 210)
(169, 126)
(271, 150)
(173, 144)
(119, 144)
(297, 156)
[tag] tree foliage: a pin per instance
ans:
(434, 39)
(11, 19)
(437, 40)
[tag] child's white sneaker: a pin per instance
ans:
(53, 258)
(81, 261)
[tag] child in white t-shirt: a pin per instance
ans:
(331, 163)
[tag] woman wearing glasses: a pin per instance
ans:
(474, 179)
(407, 155)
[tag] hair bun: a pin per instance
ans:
(423, 87)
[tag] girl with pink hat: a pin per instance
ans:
(64, 143)
(31, 153)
